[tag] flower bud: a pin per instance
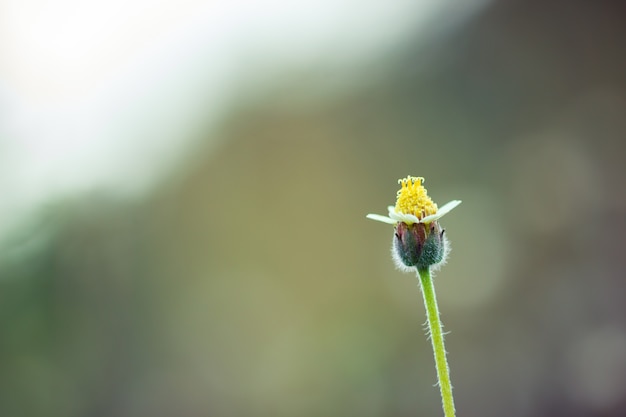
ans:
(420, 245)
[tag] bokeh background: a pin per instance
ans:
(183, 191)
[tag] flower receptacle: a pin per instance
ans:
(419, 245)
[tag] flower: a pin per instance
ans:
(418, 239)
(413, 205)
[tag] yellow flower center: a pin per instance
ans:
(413, 199)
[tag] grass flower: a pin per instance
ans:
(419, 244)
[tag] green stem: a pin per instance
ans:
(436, 336)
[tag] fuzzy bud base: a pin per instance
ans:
(419, 245)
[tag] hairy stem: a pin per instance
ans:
(436, 336)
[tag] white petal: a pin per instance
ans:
(442, 211)
(404, 218)
(448, 207)
(430, 218)
(380, 218)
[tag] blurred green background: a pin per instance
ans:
(194, 244)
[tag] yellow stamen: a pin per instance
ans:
(413, 199)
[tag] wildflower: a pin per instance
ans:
(418, 241)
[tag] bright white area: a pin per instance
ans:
(106, 94)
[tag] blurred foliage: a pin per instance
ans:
(250, 284)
